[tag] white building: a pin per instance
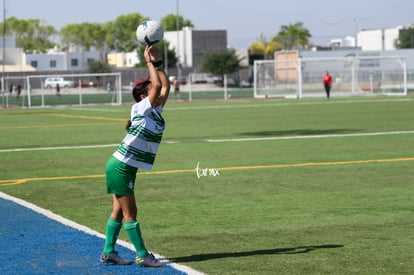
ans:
(55, 60)
(371, 39)
(378, 39)
(348, 41)
(122, 60)
(12, 58)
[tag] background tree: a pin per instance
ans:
(406, 39)
(98, 67)
(293, 37)
(221, 62)
(169, 22)
(86, 35)
(263, 49)
(31, 34)
(271, 48)
(256, 51)
(123, 31)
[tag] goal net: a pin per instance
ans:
(302, 77)
(69, 89)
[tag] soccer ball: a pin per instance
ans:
(149, 32)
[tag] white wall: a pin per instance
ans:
(378, 39)
(184, 48)
(390, 36)
(63, 60)
(370, 40)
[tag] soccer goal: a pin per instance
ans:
(69, 89)
(352, 76)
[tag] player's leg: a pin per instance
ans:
(113, 226)
(133, 230)
(115, 183)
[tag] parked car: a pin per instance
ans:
(87, 84)
(204, 78)
(52, 82)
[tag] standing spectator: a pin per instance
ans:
(58, 89)
(327, 83)
(19, 90)
(176, 86)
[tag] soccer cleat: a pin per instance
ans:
(148, 261)
(114, 258)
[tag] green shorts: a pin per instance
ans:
(120, 177)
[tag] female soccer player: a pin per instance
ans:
(137, 150)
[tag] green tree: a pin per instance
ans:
(169, 22)
(98, 67)
(31, 35)
(221, 62)
(86, 35)
(263, 49)
(293, 37)
(122, 32)
(406, 39)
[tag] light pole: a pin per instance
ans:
(177, 26)
(165, 53)
(4, 48)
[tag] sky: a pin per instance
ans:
(245, 20)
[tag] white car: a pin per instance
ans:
(52, 82)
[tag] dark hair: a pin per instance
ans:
(140, 89)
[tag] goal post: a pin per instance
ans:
(352, 75)
(73, 89)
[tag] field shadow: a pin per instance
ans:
(301, 132)
(276, 251)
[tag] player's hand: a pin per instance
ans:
(148, 55)
(151, 54)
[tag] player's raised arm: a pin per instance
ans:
(155, 87)
(165, 86)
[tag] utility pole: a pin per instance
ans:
(177, 26)
(4, 49)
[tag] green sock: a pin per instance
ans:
(112, 231)
(134, 234)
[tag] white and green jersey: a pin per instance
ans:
(140, 145)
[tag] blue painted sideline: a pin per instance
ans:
(36, 241)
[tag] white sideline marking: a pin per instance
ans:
(89, 231)
(282, 103)
(171, 107)
(214, 141)
(314, 136)
(58, 148)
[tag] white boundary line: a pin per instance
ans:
(255, 104)
(89, 231)
(215, 141)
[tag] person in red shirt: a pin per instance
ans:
(327, 83)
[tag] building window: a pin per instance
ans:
(33, 63)
(52, 64)
(74, 62)
(90, 60)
